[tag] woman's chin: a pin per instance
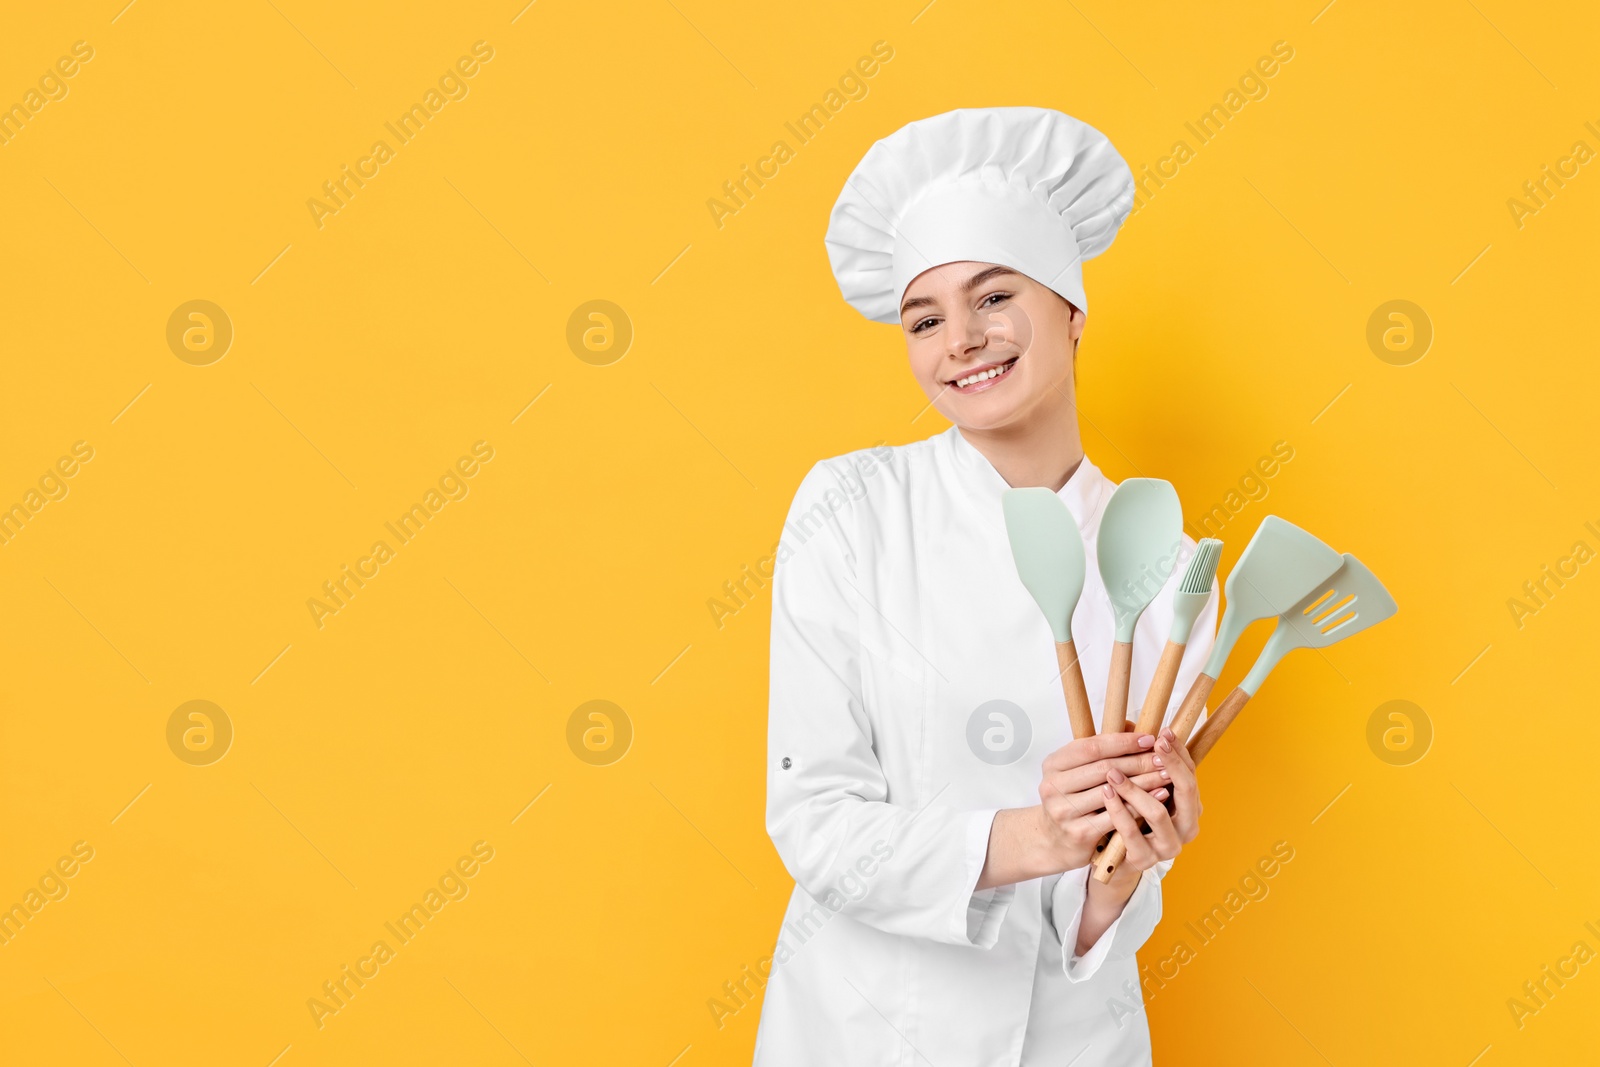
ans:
(981, 413)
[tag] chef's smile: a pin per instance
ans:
(982, 377)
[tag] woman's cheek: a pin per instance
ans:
(925, 366)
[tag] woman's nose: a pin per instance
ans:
(967, 336)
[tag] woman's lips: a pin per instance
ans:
(992, 375)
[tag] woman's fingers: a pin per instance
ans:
(1140, 854)
(1066, 808)
(1185, 786)
(1097, 747)
(1087, 801)
(1181, 749)
(1092, 775)
(1163, 837)
(1081, 821)
(1112, 781)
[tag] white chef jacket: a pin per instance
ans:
(897, 619)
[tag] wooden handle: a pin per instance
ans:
(1078, 710)
(1155, 702)
(1115, 850)
(1160, 691)
(1114, 717)
(1193, 704)
(1206, 739)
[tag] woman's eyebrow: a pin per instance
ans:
(966, 287)
(983, 276)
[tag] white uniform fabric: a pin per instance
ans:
(897, 613)
(1031, 188)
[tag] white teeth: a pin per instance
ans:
(981, 376)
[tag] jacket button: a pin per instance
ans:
(787, 763)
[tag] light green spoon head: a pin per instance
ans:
(1281, 564)
(1141, 535)
(1048, 551)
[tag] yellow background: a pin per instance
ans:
(425, 316)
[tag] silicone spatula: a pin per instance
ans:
(1048, 550)
(1347, 603)
(1140, 537)
(1281, 564)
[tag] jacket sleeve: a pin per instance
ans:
(1123, 937)
(900, 869)
(1130, 930)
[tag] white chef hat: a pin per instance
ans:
(1026, 187)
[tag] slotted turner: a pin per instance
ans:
(1048, 551)
(1347, 603)
(1140, 537)
(1281, 564)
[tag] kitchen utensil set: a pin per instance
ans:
(1318, 596)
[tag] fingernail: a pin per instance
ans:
(1169, 735)
(1157, 761)
(1167, 776)
(1160, 794)
(1109, 791)
(1145, 740)
(1116, 776)
(1163, 745)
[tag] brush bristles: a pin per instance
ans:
(1202, 569)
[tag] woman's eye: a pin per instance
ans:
(994, 298)
(923, 325)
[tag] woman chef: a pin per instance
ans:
(924, 788)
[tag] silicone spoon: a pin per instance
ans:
(1140, 538)
(1279, 566)
(1347, 603)
(1048, 550)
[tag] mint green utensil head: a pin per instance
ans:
(1140, 536)
(1281, 564)
(1048, 550)
(1350, 601)
(1198, 579)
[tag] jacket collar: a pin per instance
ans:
(1085, 493)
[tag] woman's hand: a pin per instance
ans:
(1126, 798)
(1075, 807)
(1061, 833)
(1169, 832)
